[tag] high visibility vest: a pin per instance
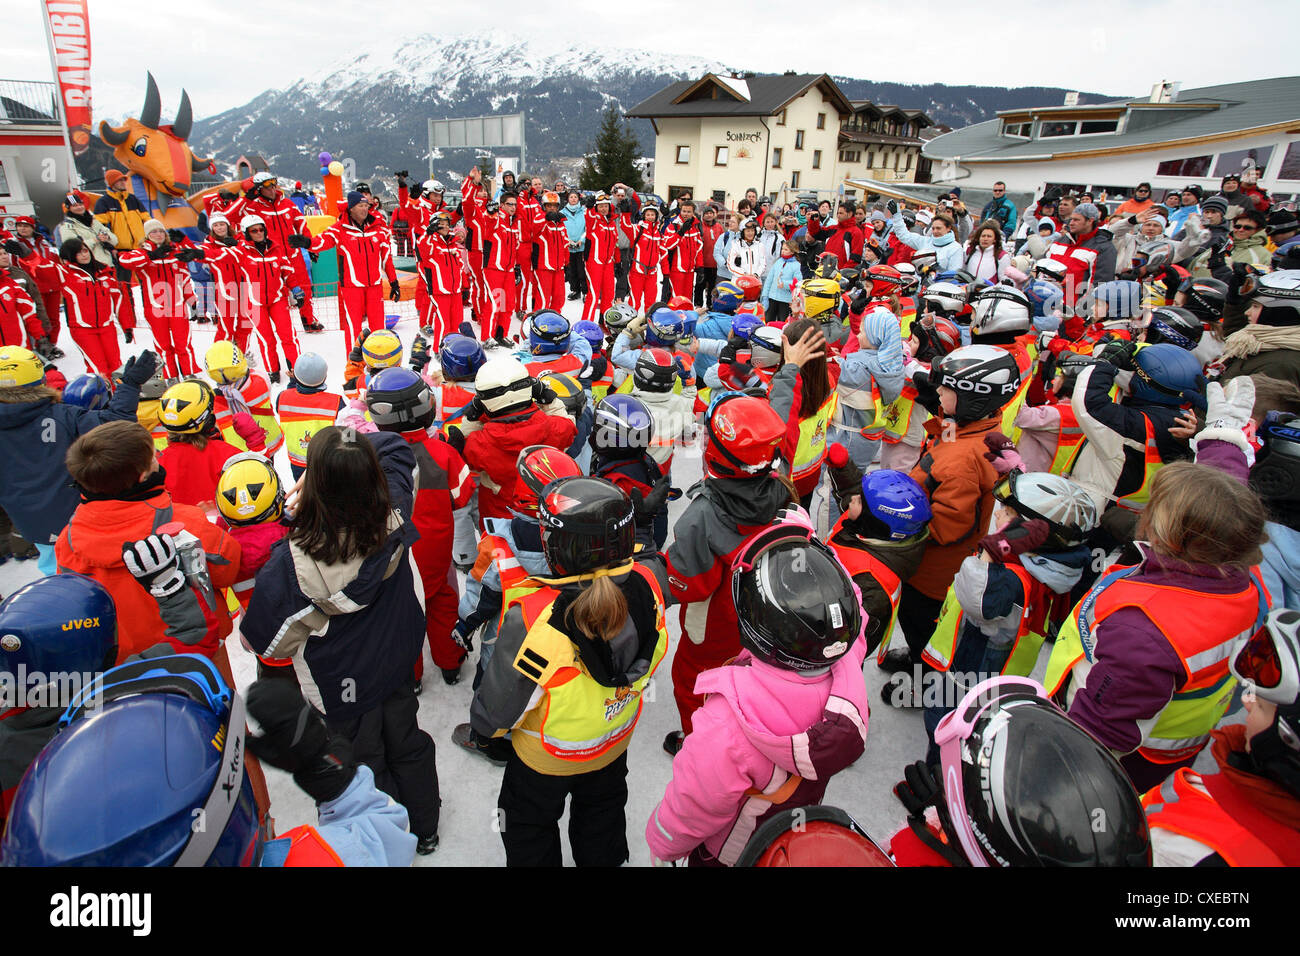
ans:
(896, 417)
(453, 400)
(308, 848)
(1179, 806)
(569, 364)
(577, 720)
(302, 416)
(1201, 628)
(256, 394)
(1024, 362)
(811, 450)
(146, 413)
(864, 400)
(600, 387)
(1020, 662)
(1069, 436)
(858, 561)
(1151, 463)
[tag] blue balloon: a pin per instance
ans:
(325, 159)
(324, 170)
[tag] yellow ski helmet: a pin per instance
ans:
(819, 295)
(249, 490)
(187, 407)
(381, 349)
(567, 389)
(226, 363)
(20, 367)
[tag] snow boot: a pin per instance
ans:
(496, 750)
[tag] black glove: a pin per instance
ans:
(456, 437)
(155, 563)
(542, 393)
(314, 256)
(227, 195)
(162, 252)
(175, 235)
(1118, 353)
(918, 790)
(555, 217)
(297, 297)
(927, 394)
(128, 336)
(420, 355)
(394, 291)
(860, 300)
(139, 369)
(650, 505)
(15, 248)
(401, 178)
(463, 635)
(728, 354)
(295, 738)
(189, 255)
(299, 241)
(892, 207)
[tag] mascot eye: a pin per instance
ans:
(140, 146)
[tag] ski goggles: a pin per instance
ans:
(1250, 284)
(1266, 661)
(196, 678)
(951, 735)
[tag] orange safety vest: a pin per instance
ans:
(1151, 463)
(452, 403)
(1069, 436)
(302, 416)
(256, 394)
(1181, 807)
(857, 561)
(567, 364)
(308, 848)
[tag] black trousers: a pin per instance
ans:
(705, 280)
(574, 272)
(917, 614)
(622, 289)
(532, 803)
(777, 311)
(388, 740)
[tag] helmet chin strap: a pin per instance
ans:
(615, 570)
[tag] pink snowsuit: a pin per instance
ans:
(760, 728)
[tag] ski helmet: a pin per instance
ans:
(1175, 326)
(820, 296)
(381, 349)
(945, 298)
(460, 357)
(250, 221)
(745, 435)
(1286, 257)
(567, 389)
(261, 179)
(536, 467)
(960, 276)
(504, 386)
(943, 338)
(1205, 298)
(751, 288)
(249, 490)
(746, 308)
(984, 377)
(1275, 476)
(592, 333)
(797, 607)
(1122, 298)
(158, 760)
(664, 327)
(727, 297)
(187, 408)
(20, 367)
(894, 506)
(1050, 269)
(910, 280)
(765, 347)
(924, 262)
(1066, 507)
(618, 316)
(587, 524)
(743, 326)
(60, 624)
(310, 370)
(621, 423)
(1268, 666)
(1007, 753)
(1278, 293)
(551, 198)
(226, 363)
(548, 333)
(1167, 375)
(87, 391)
(398, 399)
(882, 280)
(1000, 309)
(1045, 297)
(812, 836)
(1153, 255)
(656, 370)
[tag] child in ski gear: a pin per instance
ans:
(622, 440)
(195, 453)
(305, 407)
(238, 389)
(803, 393)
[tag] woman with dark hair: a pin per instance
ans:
(803, 393)
(339, 595)
(985, 257)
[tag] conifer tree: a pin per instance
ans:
(612, 160)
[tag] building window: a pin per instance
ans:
(817, 159)
(798, 139)
(1098, 126)
(719, 195)
(821, 120)
(719, 156)
(1194, 166)
(683, 154)
(871, 159)
(1290, 162)
(794, 179)
(895, 162)
(1057, 128)
(776, 158)
(4, 181)
(1016, 129)
(850, 156)
(908, 166)
(780, 120)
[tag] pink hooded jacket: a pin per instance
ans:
(762, 730)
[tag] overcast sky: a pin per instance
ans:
(209, 48)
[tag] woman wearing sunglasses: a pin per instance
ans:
(1247, 814)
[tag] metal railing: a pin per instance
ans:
(29, 102)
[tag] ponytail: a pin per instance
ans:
(599, 611)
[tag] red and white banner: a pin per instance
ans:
(69, 26)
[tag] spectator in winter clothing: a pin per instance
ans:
(78, 223)
(20, 324)
(575, 222)
(844, 239)
(783, 274)
(1249, 243)
(1001, 209)
(44, 271)
(1189, 202)
(1268, 345)
(1140, 202)
(746, 255)
(340, 595)
(706, 268)
(1086, 251)
(121, 211)
(986, 260)
(942, 241)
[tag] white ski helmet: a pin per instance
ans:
(504, 386)
(947, 297)
(249, 221)
(1064, 505)
(1000, 308)
(766, 347)
(1277, 290)
(260, 179)
(1050, 269)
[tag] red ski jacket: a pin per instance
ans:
(281, 216)
(441, 267)
(553, 246)
(17, 312)
(266, 272)
(647, 245)
(165, 283)
(365, 255)
(90, 298)
(494, 448)
(602, 238)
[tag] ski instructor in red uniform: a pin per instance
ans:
(365, 258)
(285, 228)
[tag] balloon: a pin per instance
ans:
(325, 159)
(324, 170)
(336, 168)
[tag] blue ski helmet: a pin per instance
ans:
(621, 423)
(87, 391)
(1165, 374)
(592, 332)
(742, 326)
(1044, 297)
(548, 333)
(895, 503)
(1123, 298)
(398, 399)
(665, 327)
(727, 297)
(63, 623)
(460, 357)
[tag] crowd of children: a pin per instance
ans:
(1079, 518)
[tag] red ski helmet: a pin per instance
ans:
(751, 286)
(745, 434)
(536, 467)
(885, 280)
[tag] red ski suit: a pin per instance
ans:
(647, 249)
(228, 295)
(93, 302)
(283, 219)
(501, 239)
(531, 220)
(365, 259)
(17, 312)
(167, 292)
(44, 270)
(442, 277)
(602, 254)
(266, 274)
(684, 242)
(494, 449)
(552, 245)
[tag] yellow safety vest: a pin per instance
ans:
(302, 416)
(938, 652)
(811, 450)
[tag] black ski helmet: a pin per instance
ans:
(1205, 298)
(797, 607)
(586, 524)
(1176, 326)
(984, 377)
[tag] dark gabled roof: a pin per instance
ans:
(768, 93)
(880, 139)
(887, 109)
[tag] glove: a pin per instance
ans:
(1118, 353)
(1002, 454)
(298, 241)
(431, 229)
(293, 737)
(394, 291)
(636, 327)
(15, 248)
(227, 195)
(297, 297)
(420, 353)
(859, 304)
(162, 252)
(314, 256)
(401, 177)
(155, 563)
(1018, 537)
(892, 207)
(918, 790)
(175, 235)
(728, 354)
(189, 255)
(139, 369)
(645, 506)
(1228, 413)
(355, 354)
(463, 635)
(128, 336)
(247, 428)
(542, 393)
(555, 217)
(456, 437)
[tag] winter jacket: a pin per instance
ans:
(122, 213)
(192, 475)
(992, 596)
(355, 629)
(365, 253)
(770, 240)
(636, 475)
(1178, 218)
(443, 485)
(786, 395)
(983, 264)
(781, 278)
(602, 238)
(674, 422)
(480, 602)
(90, 231)
(683, 246)
(646, 245)
(575, 223)
(746, 258)
(901, 557)
(165, 283)
(1131, 207)
(552, 244)
(948, 252)
(959, 483)
(721, 250)
(1040, 426)
(710, 233)
(761, 729)
(92, 542)
(441, 268)
(859, 371)
(842, 239)
(1281, 565)
(1263, 350)
(493, 449)
(18, 314)
(41, 263)
(283, 219)
(1002, 209)
(1253, 251)
(255, 543)
(1087, 259)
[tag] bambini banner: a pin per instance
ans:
(69, 25)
